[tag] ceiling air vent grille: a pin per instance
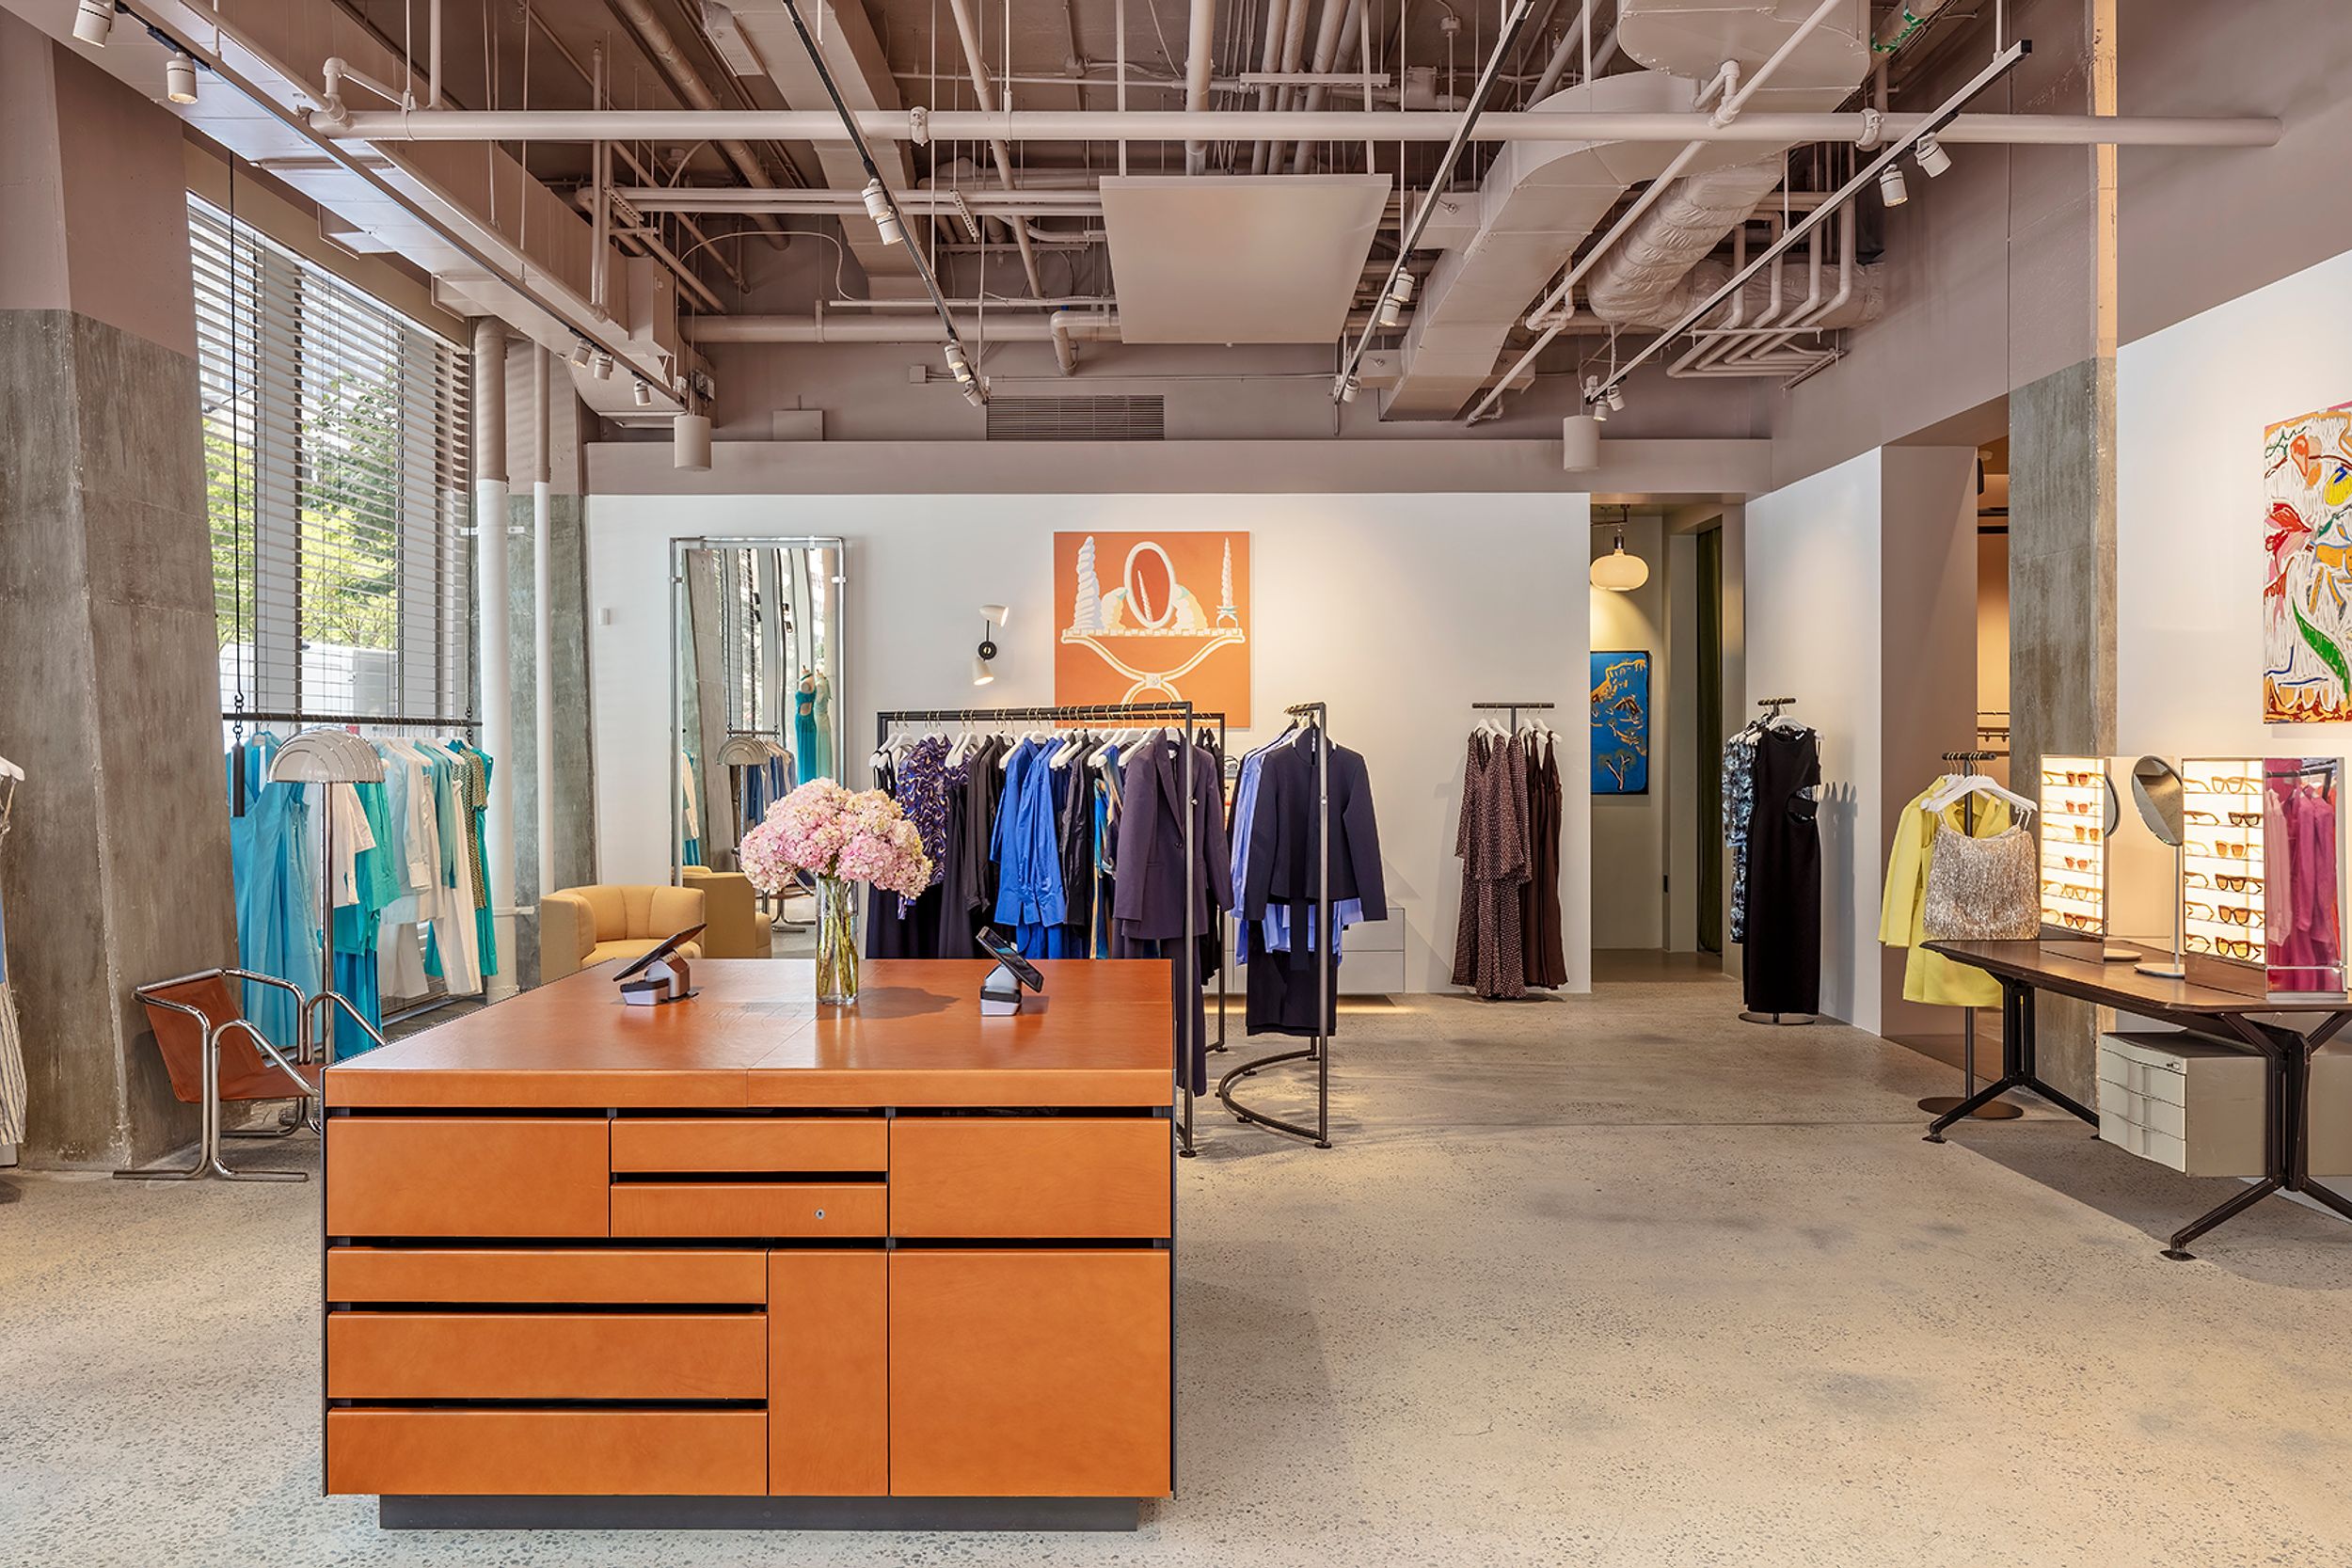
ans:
(1096, 419)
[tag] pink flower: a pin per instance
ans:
(828, 831)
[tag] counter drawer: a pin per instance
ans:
(751, 1144)
(544, 1453)
(589, 1276)
(793, 1208)
(552, 1355)
(468, 1175)
(1029, 1177)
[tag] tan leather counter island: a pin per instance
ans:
(706, 1262)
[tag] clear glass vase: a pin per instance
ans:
(836, 941)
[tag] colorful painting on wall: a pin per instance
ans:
(1621, 723)
(2307, 593)
(1154, 618)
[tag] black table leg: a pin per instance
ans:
(2179, 1251)
(2016, 1000)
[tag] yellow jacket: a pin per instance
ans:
(1928, 976)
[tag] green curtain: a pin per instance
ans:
(1710, 733)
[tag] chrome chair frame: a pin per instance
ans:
(209, 1161)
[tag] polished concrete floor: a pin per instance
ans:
(1608, 1281)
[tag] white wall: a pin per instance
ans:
(2192, 402)
(1813, 632)
(1629, 831)
(1398, 610)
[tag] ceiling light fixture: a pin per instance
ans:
(958, 365)
(1933, 159)
(885, 218)
(642, 394)
(982, 673)
(179, 77)
(1348, 393)
(600, 364)
(992, 616)
(581, 353)
(996, 614)
(1891, 187)
(972, 395)
(1618, 572)
(92, 20)
(1392, 304)
(1617, 400)
(689, 443)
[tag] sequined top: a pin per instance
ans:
(1738, 811)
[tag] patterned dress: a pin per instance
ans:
(922, 794)
(1488, 948)
(1739, 811)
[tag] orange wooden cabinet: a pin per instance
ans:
(828, 1374)
(468, 1175)
(551, 1275)
(801, 1210)
(1020, 1177)
(714, 1144)
(1029, 1373)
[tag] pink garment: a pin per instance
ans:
(2303, 925)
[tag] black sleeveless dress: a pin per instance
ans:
(1783, 960)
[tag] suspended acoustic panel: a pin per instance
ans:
(1238, 259)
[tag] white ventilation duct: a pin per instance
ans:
(1690, 219)
(1540, 199)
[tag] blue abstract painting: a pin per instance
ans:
(1621, 723)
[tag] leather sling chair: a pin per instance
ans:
(215, 1056)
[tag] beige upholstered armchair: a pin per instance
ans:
(584, 926)
(731, 905)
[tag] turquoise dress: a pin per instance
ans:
(273, 860)
(807, 763)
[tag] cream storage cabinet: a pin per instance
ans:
(2190, 1105)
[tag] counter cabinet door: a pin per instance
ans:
(1032, 1373)
(469, 1176)
(828, 1374)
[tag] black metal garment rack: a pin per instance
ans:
(1514, 709)
(1317, 1050)
(1193, 720)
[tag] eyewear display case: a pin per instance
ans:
(2079, 809)
(2262, 874)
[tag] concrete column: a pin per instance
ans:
(494, 637)
(2061, 543)
(118, 870)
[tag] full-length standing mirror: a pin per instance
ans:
(756, 684)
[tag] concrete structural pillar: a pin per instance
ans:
(2061, 542)
(118, 870)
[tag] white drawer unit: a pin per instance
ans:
(1372, 958)
(2181, 1101)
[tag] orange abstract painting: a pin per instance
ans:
(1154, 618)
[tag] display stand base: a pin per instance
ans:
(1787, 1021)
(1995, 1110)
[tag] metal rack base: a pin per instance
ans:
(1320, 1137)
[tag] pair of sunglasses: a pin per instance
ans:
(2081, 781)
(2231, 913)
(2222, 848)
(2226, 883)
(2227, 948)
(2238, 818)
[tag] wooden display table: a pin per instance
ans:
(708, 1261)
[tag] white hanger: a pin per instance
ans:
(1956, 786)
(10, 769)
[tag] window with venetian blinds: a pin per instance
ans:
(335, 435)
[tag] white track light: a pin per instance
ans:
(958, 365)
(1891, 187)
(1617, 400)
(878, 207)
(178, 76)
(1599, 410)
(580, 353)
(982, 673)
(1392, 303)
(1933, 159)
(1595, 401)
(642, 394)
(92, 20)
(600, 364)
(972, 395)
(1348, 393)
(690, 442)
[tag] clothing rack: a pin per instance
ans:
(382, 721)
(1775, 704)
(1512, 708)
(1193, 720)
(1937, 1105)
(1318, 1050)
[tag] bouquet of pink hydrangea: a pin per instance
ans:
(822, 828)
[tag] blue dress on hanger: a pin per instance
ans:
(806, 763)
(1029, 895)
(358, 977)
(272, 862)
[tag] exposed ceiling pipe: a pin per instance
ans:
(968, 29)
(1199, 62)
(649, 242)
(1625, 278)
(1903, 23)
(1294, 49)
(658, 41)
(1082, 327)
(1388, 126)
(928, 201)
(1269, 62)
(1572, 45)
(1337, 22)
